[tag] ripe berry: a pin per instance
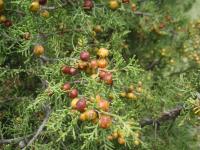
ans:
(72, 71)
(66, 86)
(121, 141)
(35, 6)
(113, 4)
(102, 74)
(81, 105)
(103, 52)
(102, 63)
(91, 114)
(88, 4)
(8, 23)
(108, 79)
(93, 64)
(105, 121)
(38, 50)
(73, 103)
(42, 2)
(125, 1)
(85, 56)
(65, 70)
(73, 93)
(103, 105)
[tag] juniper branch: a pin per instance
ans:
(15, 140)
(165, 116)
(40, 129)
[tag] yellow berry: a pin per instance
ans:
(113, 4)
(103, 52)
(2, 18)
(45, 14)
(35, 6)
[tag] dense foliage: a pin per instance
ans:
(99, 74)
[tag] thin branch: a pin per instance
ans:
(40, 129)
(169, 115)
(153, 64)
(16, 12)
(55, 7)
(182, 71)
(15, 140)
(139, 13)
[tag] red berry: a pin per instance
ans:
(125, 1)
(105, 122)
(104, 105)
(81, 105)
(65, 70)
(66, 86)
(108, 78)
(102, 74)
(73, 93)
(85, 56)
(93, 64)
(161, 25)
(72, 71)
(88, 4)
(42, 2)
(8, 23)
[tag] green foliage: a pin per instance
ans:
(155, 46)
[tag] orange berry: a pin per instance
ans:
(38, 50)
(103, 105)
(93, 64)
(121, 141)
(102, 63)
